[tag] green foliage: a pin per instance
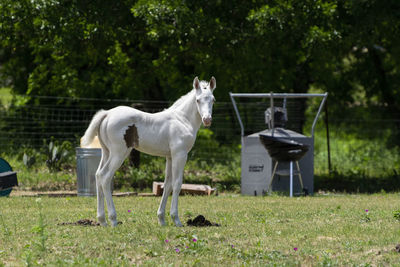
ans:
(152, 49)
(5, 96)
(149, 49)
(28, 160)
(56, 155)
(151, 169)
(205, 143)
(355, 156)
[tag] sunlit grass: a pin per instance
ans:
(356, 156)
(325, 230)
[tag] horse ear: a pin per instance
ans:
(196, 83)
(213, 83)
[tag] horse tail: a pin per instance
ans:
(93, 128)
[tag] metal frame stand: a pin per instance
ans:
(272, 96)
(291, 173)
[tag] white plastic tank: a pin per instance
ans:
(257, 165)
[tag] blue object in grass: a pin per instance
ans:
(8, 178)
(5, 192)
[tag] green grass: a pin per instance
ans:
(359, 164)
(352, 155)
(330, 230)
(224, 176)
(39, 177)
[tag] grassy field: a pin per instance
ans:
(332, 230)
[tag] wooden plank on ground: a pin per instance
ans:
(194, 189)
(146, 195)
(125, 194)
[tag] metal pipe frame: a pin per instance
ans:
(276, 95)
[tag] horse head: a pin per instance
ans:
(205, 99)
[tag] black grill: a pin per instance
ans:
(281, 149)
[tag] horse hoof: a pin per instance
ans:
(114, 223)
(178, 224)
(161, 219)
(176, 220)
(102, 221)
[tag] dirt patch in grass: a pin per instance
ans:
(200, 221)
(84, 222)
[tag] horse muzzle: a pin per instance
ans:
(207, 121)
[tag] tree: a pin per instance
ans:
(150, 49)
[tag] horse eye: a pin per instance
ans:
(197, 100)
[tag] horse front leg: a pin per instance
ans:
(178, 164)
(166, 192)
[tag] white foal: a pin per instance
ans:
(170, 133)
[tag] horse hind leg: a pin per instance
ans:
(100, 196)
(105, 179)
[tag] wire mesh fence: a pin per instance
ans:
(66, 119)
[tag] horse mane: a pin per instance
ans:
(183, 98)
